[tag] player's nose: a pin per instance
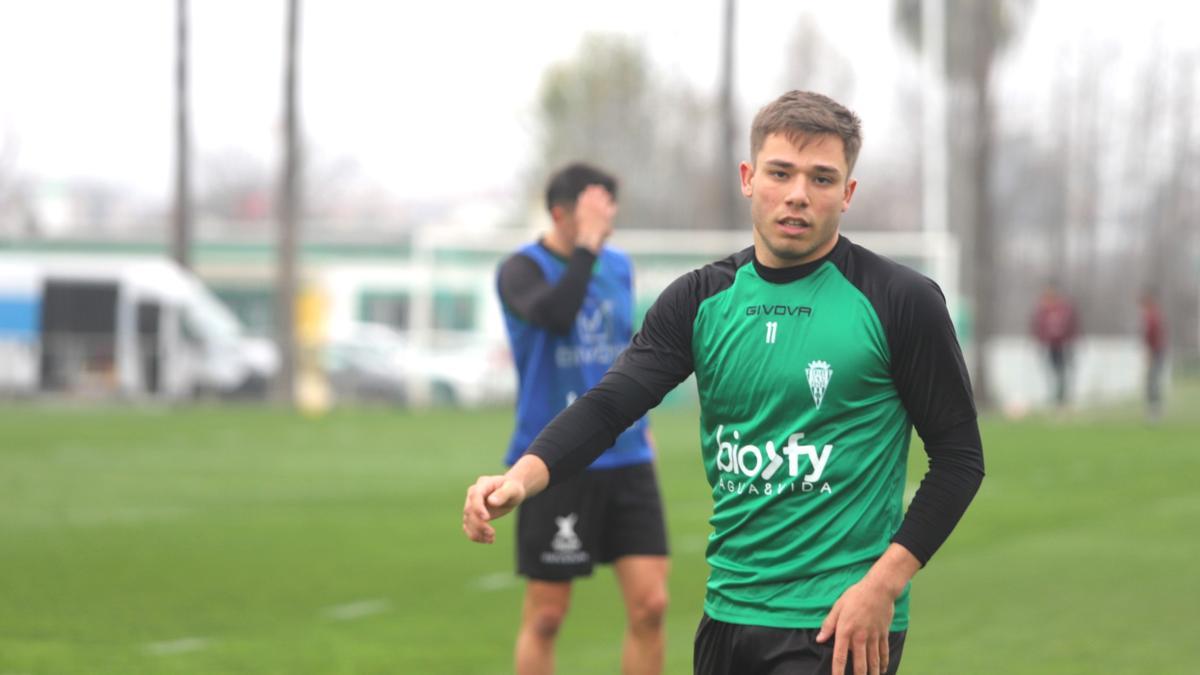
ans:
(797, 195)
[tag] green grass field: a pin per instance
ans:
(223, 540)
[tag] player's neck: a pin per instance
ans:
(558, 245)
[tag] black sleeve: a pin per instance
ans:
(658, 359)
(931, 377)
(955, 472)
(589, 426)
(524, 290)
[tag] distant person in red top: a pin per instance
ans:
(1154, 336)
(1055, 327)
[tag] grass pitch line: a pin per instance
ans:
(180, 646)
(498, 581)
(357, 610)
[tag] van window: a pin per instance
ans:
(390, 308)
(254, 307)
(453, 310)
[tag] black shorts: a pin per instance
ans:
(732, 649)
(595, 517)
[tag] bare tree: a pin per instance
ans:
(608, 106)
(977, 31)
(334, 186)
(235, 187)
(236, 191)
(727, 134)
(815, 63)
(1178, 245)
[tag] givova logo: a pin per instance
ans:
(763, 464)
(595, 321)
(595, 326)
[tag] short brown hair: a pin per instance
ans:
(800, 114)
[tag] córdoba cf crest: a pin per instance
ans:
(819, 374)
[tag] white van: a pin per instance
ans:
(138, 326)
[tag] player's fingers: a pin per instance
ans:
(885, 654)
(475, 509)
(590, 199)
(872, 654)
(504, 498)
(840, 648)
(468, 503)
(501, 496)
(479, 532)
(476, 528)
(599, 194)
(828, 625)
(859, 655)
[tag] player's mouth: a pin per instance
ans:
(793, 226)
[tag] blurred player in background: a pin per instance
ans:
(568, 308)
(1154, 337)
(1055, 326)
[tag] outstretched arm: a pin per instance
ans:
(572, 441)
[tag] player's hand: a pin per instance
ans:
(859, 623)
(489, 498)
(594, 214)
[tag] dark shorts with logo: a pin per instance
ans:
(595, 517)
(733, 649)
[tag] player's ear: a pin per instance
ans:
(558, 214)
(747, 173)
(849, 194)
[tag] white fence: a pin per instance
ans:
(1102, 370)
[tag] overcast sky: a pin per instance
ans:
(429, 99)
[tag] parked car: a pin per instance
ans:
(366, 364)
(371, 361)
(469, 375)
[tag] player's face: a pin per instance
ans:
(797, 196)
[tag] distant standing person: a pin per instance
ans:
(1055, 326)
(568, 308)
(1154, 338)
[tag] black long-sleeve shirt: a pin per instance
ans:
(525, 290)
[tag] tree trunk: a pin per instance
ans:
(730, 196)
(181, 236)
(289, 209)
(983, 251)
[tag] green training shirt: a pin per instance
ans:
(810, 381)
